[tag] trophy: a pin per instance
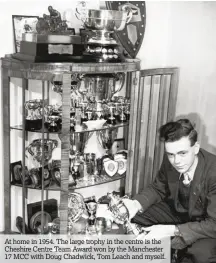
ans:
(90, 167)
(76, 207)
(53, 119)
(56, 174)
(84, 106)
(101, 87)
(76, 162)
(93, 143)
(57, 87)
(34, 118)
(91, 205)
(41, 149)
(107, 137)
(58, 83)
(37, 146)
(111, 119)
(100, 225)
(121, 214)
(36, 224)
(127, 109)
(51, 40)
(100, 26)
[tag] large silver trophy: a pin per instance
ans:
(121, 214)
(99, 29)
(104, 22)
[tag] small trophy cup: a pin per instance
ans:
(56, 174)
(57, 87)
(41, 149)
(90, 167)
(34, 118)
(53, 119)
(100, 225)
(58, 83)
(127, 109)
(111, 119)
(122, 113)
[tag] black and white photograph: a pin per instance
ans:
(108, 131)
(22, 24)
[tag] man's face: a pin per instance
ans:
(181, 154)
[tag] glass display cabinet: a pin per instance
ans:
(76, 132)
(66, 129)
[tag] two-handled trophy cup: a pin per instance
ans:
(101, 87)
(100, 26)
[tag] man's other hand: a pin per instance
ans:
(158, 231)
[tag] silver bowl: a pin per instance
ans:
(107, 20)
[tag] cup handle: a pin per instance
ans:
(28, 148)
(55, 144)
(129, 11)
(78, 13)
(26, 105)
(129, 15)
(121, 78)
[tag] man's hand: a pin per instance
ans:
(133, 206)
(158, 231)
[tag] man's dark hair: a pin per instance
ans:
(175, 130)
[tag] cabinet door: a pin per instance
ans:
(153, 96)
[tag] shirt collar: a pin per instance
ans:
(191, 171)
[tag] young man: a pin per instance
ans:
(181, 202)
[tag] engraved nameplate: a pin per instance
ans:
(60, 49)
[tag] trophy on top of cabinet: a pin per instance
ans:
(100, 27)
(51, 41)
(103, 23)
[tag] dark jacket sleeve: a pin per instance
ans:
(206, 228)
(156, 191)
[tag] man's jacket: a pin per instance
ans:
(202, 200)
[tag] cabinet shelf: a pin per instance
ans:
(101, 179)
(82, 130)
